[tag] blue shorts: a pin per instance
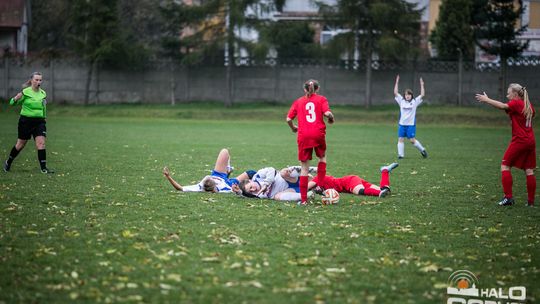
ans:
(295, 186)
(407, 131)
(229, 181)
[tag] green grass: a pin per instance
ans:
(109, 228)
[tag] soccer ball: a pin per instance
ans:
(330, 197)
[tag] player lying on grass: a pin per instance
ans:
(354, 184)
(218, 181)
(270, 183)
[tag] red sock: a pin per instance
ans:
(531, 188)
(507, 183)
(303, 188)
(372, 192)
(385, 179)
(321, 171)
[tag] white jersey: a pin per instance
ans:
(407, 115)
(271, 178)
(221, 185)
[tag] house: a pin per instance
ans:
(14, 22)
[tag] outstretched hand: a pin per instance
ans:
(482, 97)
(397, 78)
(166, 171)
(421, 81)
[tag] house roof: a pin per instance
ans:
(11, 13)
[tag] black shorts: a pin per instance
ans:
(29, 126)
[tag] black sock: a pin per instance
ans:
(361, 191)
(14, 152)
(42, 157)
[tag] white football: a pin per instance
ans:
(330, 197)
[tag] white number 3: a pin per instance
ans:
(310, 107)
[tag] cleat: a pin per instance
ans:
(506, 201)
(384, 191)
(312, 170)
(47, 171)
(319, 190)
(424, 153)
(300, 203)
(389, 167)
(400, 157)
(7, 166)
(530, 204)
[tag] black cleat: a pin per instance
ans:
(384, 191)
(47, 171)
(506, 201)
(7, 166)
(319, 190)
(424, 153)
(400, 157)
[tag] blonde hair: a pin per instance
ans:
(28, 83)
(521, 91)
(311, 87)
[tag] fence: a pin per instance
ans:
(343, 82)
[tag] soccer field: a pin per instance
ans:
(108, 227)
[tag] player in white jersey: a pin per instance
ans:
(218, 181)
(273, 184)
(407, 118)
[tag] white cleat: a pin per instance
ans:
(389, 167)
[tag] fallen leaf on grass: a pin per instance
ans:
(430, 268)
(335, 270)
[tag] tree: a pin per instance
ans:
(47, 34)
(389, 28)
(94, 32)
(214, 27)
(496, 33)
(453, 34)
(291, 39)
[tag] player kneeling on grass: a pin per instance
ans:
(270, 183)
(354, 184)
(218, 181)
(521, 152)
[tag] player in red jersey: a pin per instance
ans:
(354, 184)
(309, 111)
(521, 152)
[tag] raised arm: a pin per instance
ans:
(494, 103)
(422, 89)
(396, 86)
(167, 175)
(16, 99)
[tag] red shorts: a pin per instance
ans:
(349, 182)
(305, 149)
(520, 155)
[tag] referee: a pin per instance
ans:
(32, 121)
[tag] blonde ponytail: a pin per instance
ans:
(521, 92)
(527, 108)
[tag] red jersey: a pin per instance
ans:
(310, 112)
(522, 130)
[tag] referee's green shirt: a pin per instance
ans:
(33, 103)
